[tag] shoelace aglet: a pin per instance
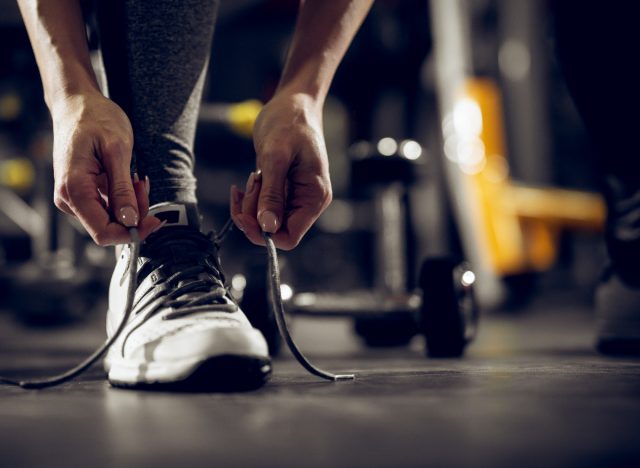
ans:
(340, 377)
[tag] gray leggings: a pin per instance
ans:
(156, 54)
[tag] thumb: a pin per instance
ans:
(272, 199)
(122, 196)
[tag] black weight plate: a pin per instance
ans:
(449, 313)
(395, 329)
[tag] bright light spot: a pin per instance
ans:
(468, 278)
(387, 146)
(411, 149)
(306, 299)
(286, 292)
(239, 282)
(467, 118)
(471, 155)
(470, 152)
(450, 144)
(447, 123)
(473, 169)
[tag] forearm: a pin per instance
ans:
(323, 32)
(57, 34)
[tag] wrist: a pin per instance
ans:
(72, 105)
(308, 81)
(301, 96)
(71, 81)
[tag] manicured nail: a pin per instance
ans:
(147, 184)
(128, 216)
(159, 226)
(251, 182)
(135, 177)
(268, 221)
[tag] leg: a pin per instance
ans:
(186, 329)
(156, 55)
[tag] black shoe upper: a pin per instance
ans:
(179, 269)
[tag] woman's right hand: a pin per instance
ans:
(93, 144)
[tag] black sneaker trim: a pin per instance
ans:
(226, 373)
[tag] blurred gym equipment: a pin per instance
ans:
(443, 309)
(506, 228)
(64, 278)
(235, 117)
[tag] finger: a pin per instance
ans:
(116, 158)
(140, 189)
(148, 226)
(247, 223)
(95, 219)
(250, 201)
(298, 223)
(62, 205)
(97, 222)
(252, 194)
(103, 183)
(272, 191)
(305, 207)
(235, 205)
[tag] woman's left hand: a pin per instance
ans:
(291, 187)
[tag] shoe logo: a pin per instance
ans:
(171, 217)
(173, 214)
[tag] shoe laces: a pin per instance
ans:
(189, 262)
(183, 301)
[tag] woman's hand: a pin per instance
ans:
(93, 143)
(292, 187)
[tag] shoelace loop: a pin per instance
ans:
(193, 279)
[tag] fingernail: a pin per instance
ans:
(128, 216)
(159, 226)
(268, 221)
(147, 184)
(135, 177)
(251, 182)
(239, 225)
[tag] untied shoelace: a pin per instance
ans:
(275, 302)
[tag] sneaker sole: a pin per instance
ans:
(218, 373)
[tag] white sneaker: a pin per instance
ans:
(185, 328)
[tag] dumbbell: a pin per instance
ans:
(443, 309)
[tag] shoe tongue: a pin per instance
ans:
(177, 214)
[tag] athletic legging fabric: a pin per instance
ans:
(156, 54)
(597, 46)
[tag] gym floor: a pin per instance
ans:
(530, 392)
